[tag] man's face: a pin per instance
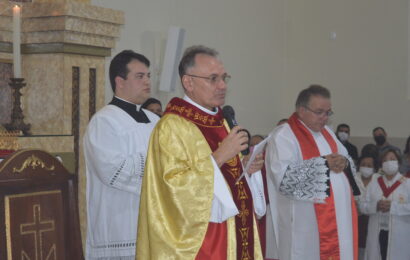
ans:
(379, 132)
(255, 140)
(155, 108)
(201, 90)
(136, 88)
(344, 129)
(315, 114)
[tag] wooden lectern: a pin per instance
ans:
(38, 208)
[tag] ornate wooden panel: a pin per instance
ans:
(34, 224)
(38, 209)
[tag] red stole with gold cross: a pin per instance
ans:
(325, 213)
(214, 245)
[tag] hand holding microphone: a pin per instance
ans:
(236, 141)
(229, 115)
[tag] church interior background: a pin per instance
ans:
(64, 44)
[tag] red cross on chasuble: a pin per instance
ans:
(325, 213)
(215, 243)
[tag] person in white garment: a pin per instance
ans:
(115, 147)
(310, 183)
(367, 171)
(387, 203)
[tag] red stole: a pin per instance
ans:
(325, 213)
(214, 245)
(387, 191)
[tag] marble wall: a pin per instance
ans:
(47, 98)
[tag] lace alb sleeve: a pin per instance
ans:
(129, 174)
(306, 180)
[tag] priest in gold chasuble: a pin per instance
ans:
(192, 206)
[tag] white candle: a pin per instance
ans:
(16, 41)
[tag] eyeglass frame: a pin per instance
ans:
(213, 78)
(328, 113)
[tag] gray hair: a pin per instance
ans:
(188, 59)
(313, 90)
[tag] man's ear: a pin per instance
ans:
(187, 83)
(300, 110)
(119, 82)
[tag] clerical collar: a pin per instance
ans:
(189, 100)
(137, 107)
(131, 109)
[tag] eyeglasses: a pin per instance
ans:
(214, 79)
(320, 113)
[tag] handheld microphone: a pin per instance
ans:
(229, 115)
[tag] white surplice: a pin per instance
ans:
(293, 214)
(223, 206)
(115, 148)
(398, 219)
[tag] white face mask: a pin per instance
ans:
(390, 167)
(343, 136)
(366, 171)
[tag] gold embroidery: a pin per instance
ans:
(245, 236)
(243, 213)
(206, 120)
(242, 195)
(8, 140)
(33, 162)
(234, 172)
(232, 162)
(188, 112)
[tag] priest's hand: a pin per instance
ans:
(235, 142)
(336, 162)
(257, 164)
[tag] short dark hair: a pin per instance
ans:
(188, 58)
(151, 101)
(342, 125)
(390, 150)
(312, 90)
(283, 120)
(379, 128)
(375, 161)
(406, 149)
(118, 65)
(370, 150)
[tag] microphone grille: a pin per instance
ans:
(228, 112)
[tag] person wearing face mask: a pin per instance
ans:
(343, 133)
(380, 137)
(387, 204)
(367, 169)
(405, 165)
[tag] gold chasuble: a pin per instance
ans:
(177, 192)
